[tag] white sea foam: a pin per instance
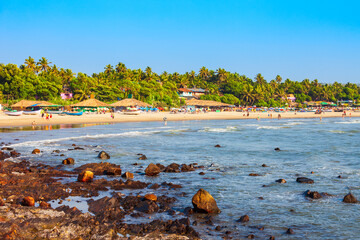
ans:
(337, 131)
(293, 123)
(227, 129)
(350, 122)
(269, 127)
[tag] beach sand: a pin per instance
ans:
(27, 120)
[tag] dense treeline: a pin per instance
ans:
(43, 81)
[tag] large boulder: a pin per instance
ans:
(103, 168)
(349, 198)
(28, 201)
(152, 170)
(86, 176)
(68, 161)
(203, 202)
(103, 155)
(128, 175)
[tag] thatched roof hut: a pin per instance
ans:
(130, 102)
(27, 103)
(206, 103)
(91, 103)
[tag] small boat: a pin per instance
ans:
(35, 112)
(14, 113)
(131, 112)
(74, 113)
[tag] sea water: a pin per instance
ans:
(328, 148)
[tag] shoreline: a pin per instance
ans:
(27, 120)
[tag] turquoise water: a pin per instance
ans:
(328, 148)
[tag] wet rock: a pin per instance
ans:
(290, 231)
(217, 146)
(304, 180)
(281, 180)
(187, 168)
(277, 149)
(172, 168)
(260, 198)
(162, 167)
(28, 201)
(61, 155)
(80, 148)
(349, 198)
(68, 161)
(264, 165)
(151, 197)
(152, 170)
(203, 202)
(251, 236)
(188, 211)
(254, 174)
(218, 228)
(339, 176)
(244, 218)
(154, 186)
(45, 205)
(147, 207)
(128, 175)
(271, 238)
(171, 185)
(3, 155)
(313, 195)
(2, 202)
(7, 148)
(103, 168)
(142, 157)
(14, 154)
(103, 155)
(56, 151)
(36, 151)
(201, 173)
(86, 176)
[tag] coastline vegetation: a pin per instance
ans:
(43, 80)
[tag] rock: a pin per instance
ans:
(162, 167)
(2, 202)
(151, 197)
(68, 161)
(103, 168)
(339, 176)
(304, 180)
(187, 168)
(147, 207)
(349, 198)
(244, 218)
(152, 170)
(251, 236)
(28, 201)
(113, 171)
(45, 205)
(61, 155)
(128, 175)
(56, 151)
(313, 195)
(172, 168)
(254, 174)
(3, 155)
(36, 151)
(201, 173)
(203, 202)
(281, 180)
(86, 176)
(277, 149)
(264, 165)
(14, 154)
(217, 146)
(142, 157)
(103, 155)
(290, 231)
(271, 238)
(218, 228)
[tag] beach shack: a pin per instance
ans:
(90, 105)
(126, 103)
(206, 105)
(28, 104)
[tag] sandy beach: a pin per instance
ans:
(27, 120)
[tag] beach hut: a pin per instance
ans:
(213, 105)
(91, 105)
(23, 104)
(130, 103)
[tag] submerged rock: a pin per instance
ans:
(349, 198)
(142, 157)
(152, 170)
(244, 218)
(281, 180)
(304, 180)
(290, 231)
(277, 149)
(103, 168)
(313, 195)
(217, 146)
(203, 202)
(103, 155)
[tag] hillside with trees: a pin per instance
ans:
(43, 80)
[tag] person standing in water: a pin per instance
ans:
(165, 121)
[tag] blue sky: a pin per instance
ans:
(296, 39)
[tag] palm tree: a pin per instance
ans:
(30, 63)
(120, 68)
(43, 63)
(248, 94)
(278, 79)
(222, 75)
(204, 73)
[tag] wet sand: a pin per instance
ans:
(27, 120)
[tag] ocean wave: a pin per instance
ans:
(350, 122)
(96, 136)
(337, 131)
(270, 127)
(293, 123)
(227, 129)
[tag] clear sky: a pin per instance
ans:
(296, 39)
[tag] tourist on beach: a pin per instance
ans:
(279, 116)
(165, 121)
(33, 123)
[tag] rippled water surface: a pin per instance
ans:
(328, 148)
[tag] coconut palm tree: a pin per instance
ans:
(43, 63)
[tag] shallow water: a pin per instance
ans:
(329, 148)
